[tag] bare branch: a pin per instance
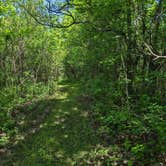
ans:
(60, 11)
(152, 53)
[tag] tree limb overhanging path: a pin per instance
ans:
(62, 137)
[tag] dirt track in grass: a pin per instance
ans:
(61, 138)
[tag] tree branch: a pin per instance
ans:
(59, 11)
(152, 53)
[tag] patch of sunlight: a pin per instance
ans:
(23, 118)
(75, 108)
(59, 111)
(69, 160)
(45, 124)
(33, 131)
(57, 116)
(34, 121)
(63, 127)
(21, 122)
(20, 137)
(80, 154)
(64, 96)
(56, 123)
(66, 113)
(62, 120)
(66, 136)
(41, 126)
(84, 114)
(60, 154)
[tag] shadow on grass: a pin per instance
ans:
(62, 136)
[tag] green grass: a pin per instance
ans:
(63, 137)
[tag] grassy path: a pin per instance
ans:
(64, 135)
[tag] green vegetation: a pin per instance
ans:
(82, 82)
(63, 136)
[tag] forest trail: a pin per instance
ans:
(64, 135)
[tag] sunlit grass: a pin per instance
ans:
(63, 136)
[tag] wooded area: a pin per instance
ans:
(83, 82)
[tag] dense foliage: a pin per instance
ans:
(29, 61)
(114, 49)
(123, 80)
